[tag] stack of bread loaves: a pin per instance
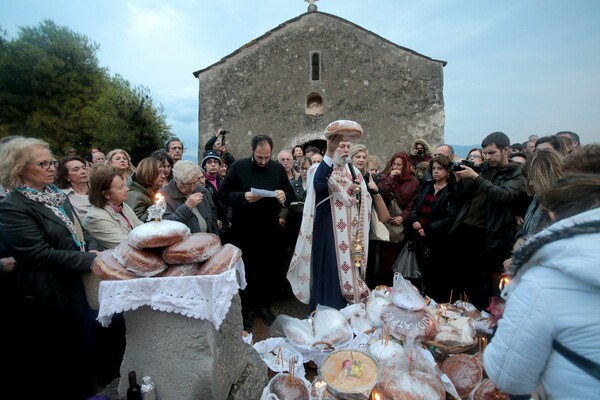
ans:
(165, 248)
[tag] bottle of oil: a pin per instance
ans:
(134, 392)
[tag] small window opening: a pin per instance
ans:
(314, 104)
(315, 67)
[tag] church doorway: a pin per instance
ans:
(320, 144)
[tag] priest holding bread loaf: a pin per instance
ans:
(329, 264)
(255, 224)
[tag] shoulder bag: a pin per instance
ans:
(396, 231)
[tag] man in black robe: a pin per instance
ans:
(255, 225)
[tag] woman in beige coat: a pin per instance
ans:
(110, 219)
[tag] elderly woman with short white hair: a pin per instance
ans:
(188, 201)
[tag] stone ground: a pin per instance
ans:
(286, 305)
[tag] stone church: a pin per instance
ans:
(291, 82)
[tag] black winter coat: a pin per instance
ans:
(47, 320)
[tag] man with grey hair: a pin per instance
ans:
(446, 150)
(188, 201)
(286, 159)
(98, 157)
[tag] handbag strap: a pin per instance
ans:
(585, 364)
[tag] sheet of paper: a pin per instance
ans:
(263, 192)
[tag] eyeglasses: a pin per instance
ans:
(474, 156)
(191, 183)
(46, 164)
(303, 169)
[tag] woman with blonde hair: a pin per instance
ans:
(359, 157)
(47, 318)
(541, 171)
(119, 160)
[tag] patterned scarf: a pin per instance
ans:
(54, 199)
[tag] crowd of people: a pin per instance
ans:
(304, 223)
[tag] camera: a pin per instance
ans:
(223, 133)
(458, 166)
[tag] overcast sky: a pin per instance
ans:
(518, 66)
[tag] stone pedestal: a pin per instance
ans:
(187, 358)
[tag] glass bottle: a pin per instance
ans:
(134, 392)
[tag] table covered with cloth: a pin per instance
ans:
(200, 296)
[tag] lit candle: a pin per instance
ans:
(504, 282)
(156, 211)
(375, 395)
(320, 387)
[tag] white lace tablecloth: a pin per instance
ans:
(201, 296)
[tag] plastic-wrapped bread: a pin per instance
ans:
(464, 372)
(142, 262)
(330, 326)
(487, 390)
(195, 248)
(350, 130)
(412, 384)
(155, 234)
(377, 301)
(404, 324)
(222, 261)
(107, 268)
(298, 332)
(181, 270)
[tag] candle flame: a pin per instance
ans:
(504, 282)
(376, 395)
(158, 197)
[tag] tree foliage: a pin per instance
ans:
(52, 87)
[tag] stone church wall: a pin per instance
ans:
(268, 86)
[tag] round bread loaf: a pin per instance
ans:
(142, 262)
(195, 248)
(155, 234)
(288, 387)
(350, 130)
(478, 357)
(412, 384)
(487, 390)
(404, 324)
(107, 268)
(222, 261)
(181, 270)
(464, 372)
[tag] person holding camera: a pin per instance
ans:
(485, 223)
(421, 152)
(217, 144)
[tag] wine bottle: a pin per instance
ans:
(134, 392)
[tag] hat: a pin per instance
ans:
(210, 154)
